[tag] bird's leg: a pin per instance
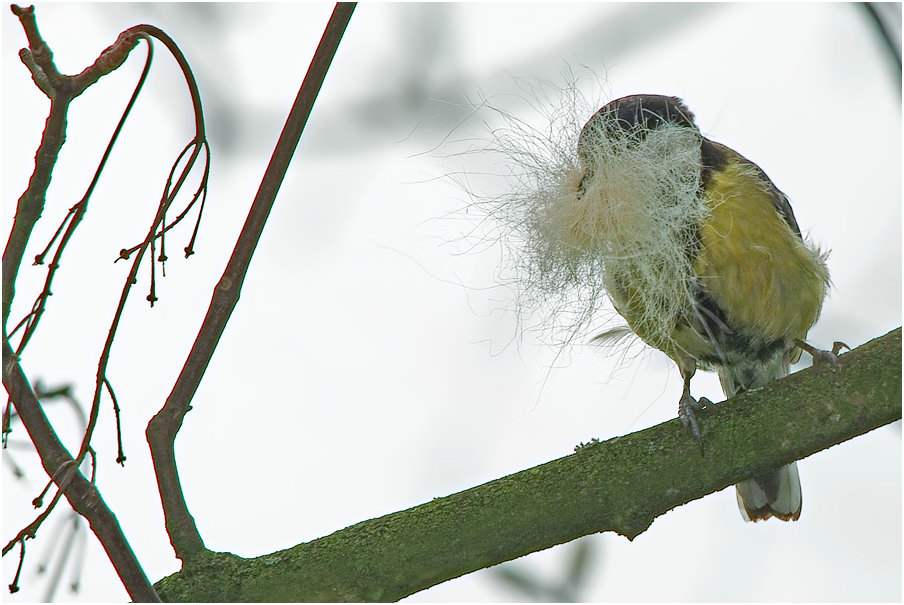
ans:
(687, 405)
(820, 356)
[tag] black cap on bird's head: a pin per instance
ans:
(625, 123)
(646, 112)
(634, 116)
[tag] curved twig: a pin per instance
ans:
(169, 194)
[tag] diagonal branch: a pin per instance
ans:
(619, 485)
(81, 493)
(163, 427)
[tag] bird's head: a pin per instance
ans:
(631, 118)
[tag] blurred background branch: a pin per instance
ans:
(886, 17)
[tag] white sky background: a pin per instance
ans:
(366, 367)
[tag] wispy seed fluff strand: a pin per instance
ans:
(588, 209)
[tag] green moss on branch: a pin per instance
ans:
(619, 485)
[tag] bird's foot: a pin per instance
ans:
(687, 406)
(821, 356)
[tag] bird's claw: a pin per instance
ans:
(821, 357)
(687, 406)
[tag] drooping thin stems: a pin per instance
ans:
(60, 466)
(77, 213)
(61, 90)
(164, 426)
(81, 493)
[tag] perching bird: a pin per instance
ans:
(702, 256)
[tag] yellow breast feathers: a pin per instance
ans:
(769, 282)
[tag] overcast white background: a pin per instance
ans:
(370, 366)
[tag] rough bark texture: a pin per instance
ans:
(619, 485)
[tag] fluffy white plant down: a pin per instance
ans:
(633, 218)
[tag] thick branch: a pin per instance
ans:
(620, 485)
(81, 493)
(163, 427)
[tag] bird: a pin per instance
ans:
(702, 256)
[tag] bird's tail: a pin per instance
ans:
(774, 493)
